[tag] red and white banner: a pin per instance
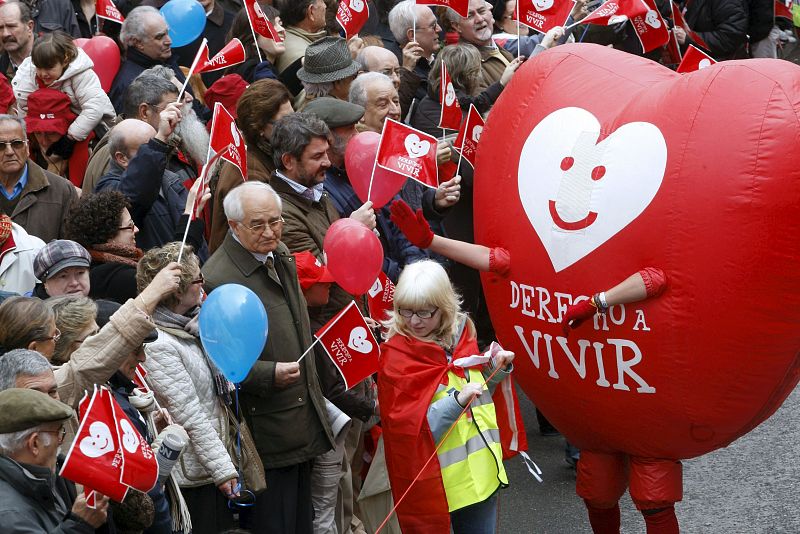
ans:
(459, 6)
(259, 22)
(542, 15)
(783, 10)
(650, 28)
(139, 377)
(139, 465)
(615, 11)
(227, 140)
(231, 54)
(677, 18)
(469, 135)
(350, 344)
(450, 116)
(409, 152)
(380, 297)
(105, 9)
(352, 15)
(694, 59)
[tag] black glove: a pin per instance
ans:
(62, 148)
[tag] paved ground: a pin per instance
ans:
(751, 487)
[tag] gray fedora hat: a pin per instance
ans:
(328, 60)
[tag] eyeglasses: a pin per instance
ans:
(15, 144)
(422, 314)
(55, 337)
(200, 280)
(258, 228)
(130, 227)
(389, 72)
(432, 26)
(61, 432)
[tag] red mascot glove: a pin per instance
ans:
(576, 314)
(499, 261)
(414, 226)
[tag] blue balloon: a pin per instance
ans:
(186, 20)
(233, 329)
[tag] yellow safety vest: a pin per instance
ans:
(471, 470)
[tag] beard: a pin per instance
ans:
(193, 136)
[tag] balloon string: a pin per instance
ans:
(432, 456)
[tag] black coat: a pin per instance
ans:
(135, 63)
(722, 24)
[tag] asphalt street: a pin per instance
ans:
(750, 487)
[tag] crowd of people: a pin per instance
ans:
(98, 189)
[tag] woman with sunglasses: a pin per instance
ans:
(423, 392)
(103, 224)
(194, 392)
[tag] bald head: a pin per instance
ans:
(126, 138)
(379, 59)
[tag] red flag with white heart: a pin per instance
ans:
(259, 22)
(380, 297)
(93, 458)
(227, 140)
(469, 135)
(650, 28)
(450, 116)
(409, 152)
(459, 6)
(694, 59)
(542, 15)
(139, 465)
(350, 344)
(231, 54)
(352, 15)
(615, 11)
(105, 9)
(677, 17)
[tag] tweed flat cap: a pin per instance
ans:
(57, 255)
(21, 409)
(328, 60)
(335, 112)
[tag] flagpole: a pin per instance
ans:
(317, 337)
(375, 163)
(316, 340)
(519, 44)
(461, 152)
(191, 70)
(253, 31)
(197, 186)
(414, 27)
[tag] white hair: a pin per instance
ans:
(401, 19)
(232, 204)
(358, 89)
(13, 442)
(23, 362)
(133, 27)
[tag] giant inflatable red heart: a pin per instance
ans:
(618, 163)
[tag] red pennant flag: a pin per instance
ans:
(352, 15)
(615, 11)
(782, 10)
(139, 379)
(650, 28)
(227, 139)
(695, 59)
(139, 465)
(231, 54)
(380, 297)
(542, 15)
(350, 344)
(409, 152)
(259, 22)
(469, 135)
(450, 116)
(105, 9)
(94, 459)
(459, 6)
(677, 17)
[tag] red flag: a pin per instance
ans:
(694, 59)
(139, 378)
(231, 54)
(469, 135)
(350, 344)
(650, 28)
(615, 11)
(450, 116)
(677, 18)
(409, 152)
(380, 297)
(541, 15)
(105, 9)
(259, 22)
(227, 139)
(94, 459)
(139, 465)
(782, 10)
(459, 6)
(352, 15)
(673, 49)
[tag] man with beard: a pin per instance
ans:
(16, 31)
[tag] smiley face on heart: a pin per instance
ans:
(99, 441)
(450, 95)
(358, 340)
(705, 62)
(477, 131)
(357, 5)
(130, 437)
(652, 20)
(376, 288)
(415, 146)
(237, 140)
(543, 5)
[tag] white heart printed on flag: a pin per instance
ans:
(358, 340)
(578, 193)
(357, 5)
(258, 10)
(98, 442)
(652, 19)
(543, 5)
(450, 95)
(616, 19)
(130, 438)
(235, 134)
(476, 133)
(376, 288)
(705, 62)
(416, 147)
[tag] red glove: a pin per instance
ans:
(499, 260)
(576, 314)
(414, 226)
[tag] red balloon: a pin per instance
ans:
(355, 256)
(596, 163)
(359, 159)
(104, 53)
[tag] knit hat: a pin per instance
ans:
(227, 91)
(57, 255)
(48, 111)
(328, 60)
(310, 270)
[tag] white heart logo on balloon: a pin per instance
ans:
(543, 5)
(476, 133)
(98, 442)
(578, 193)
(358, 340)
(130, 438)
(450, 94)
(357, 5)
(652, 19)
(416, 147)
